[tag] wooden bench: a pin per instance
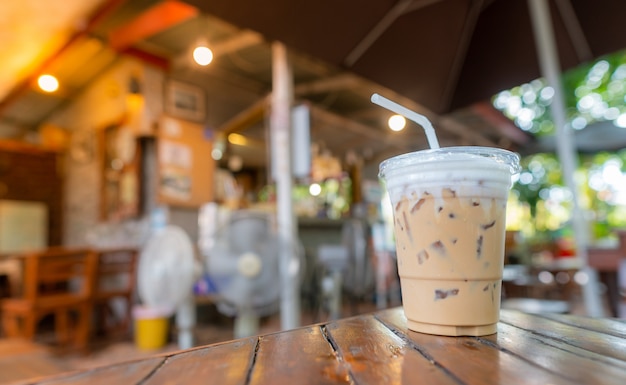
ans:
(57, 281)
(71, 285)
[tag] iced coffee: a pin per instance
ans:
(449, 212)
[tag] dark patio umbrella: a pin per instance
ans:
(443, 54)
(447, 54)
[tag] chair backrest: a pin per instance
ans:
(621, 236)
(58, 271)
(10, 275)
(116, 272)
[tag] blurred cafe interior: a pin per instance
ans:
(213, 163)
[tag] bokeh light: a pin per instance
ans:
(315, 189)
(203, 55)
(396, 122)
(48, 83)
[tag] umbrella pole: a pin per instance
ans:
(280, 135)
(566, 149)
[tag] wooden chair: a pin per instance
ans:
(607, 262)
(11, 272)
(115, 279)
(59, 282)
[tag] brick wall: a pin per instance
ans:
(98, 106)
(31, 174)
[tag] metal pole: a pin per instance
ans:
(566, 149)
(280, 138)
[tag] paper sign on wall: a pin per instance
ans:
(175, 154)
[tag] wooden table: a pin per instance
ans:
(378, 349)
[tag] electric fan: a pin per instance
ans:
(345, 268)
(165, 277)
(358, 279)
(243, 264)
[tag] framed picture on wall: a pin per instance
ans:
(185, 101)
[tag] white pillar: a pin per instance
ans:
(280, 138)
(566, 149)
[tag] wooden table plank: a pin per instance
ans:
(472, 361)
(598, 342)
(302, 356)
(373, 354)
(612, 326)
(125, 373)
(222, 364)
(573, 362)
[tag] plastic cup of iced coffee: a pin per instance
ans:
(449, 209)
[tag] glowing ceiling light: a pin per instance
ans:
(237, 139)
(48, 83)
(396, 122)
(202, 55)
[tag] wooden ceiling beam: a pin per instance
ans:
(355, 127)
(147, 57)
(234, 43)
(101, 13)
(246, 118)
(452, 126)
(237, 42)
(156, 19)
(466, 135)
(329, 84)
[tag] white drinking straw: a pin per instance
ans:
(414, 116)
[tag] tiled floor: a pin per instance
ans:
(20, 359)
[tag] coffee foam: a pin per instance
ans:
(465, 174)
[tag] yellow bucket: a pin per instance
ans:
(151, 327)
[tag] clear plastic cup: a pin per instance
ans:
(449, 224)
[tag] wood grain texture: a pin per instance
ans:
(221, 364)
(613, 326)
(473, 361)
(303, 356)
(373, 354)
(597, 342)
(126, 373)
(552, 354)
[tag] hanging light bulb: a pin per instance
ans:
(48, 83)
(396, 122)
(202, 55)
